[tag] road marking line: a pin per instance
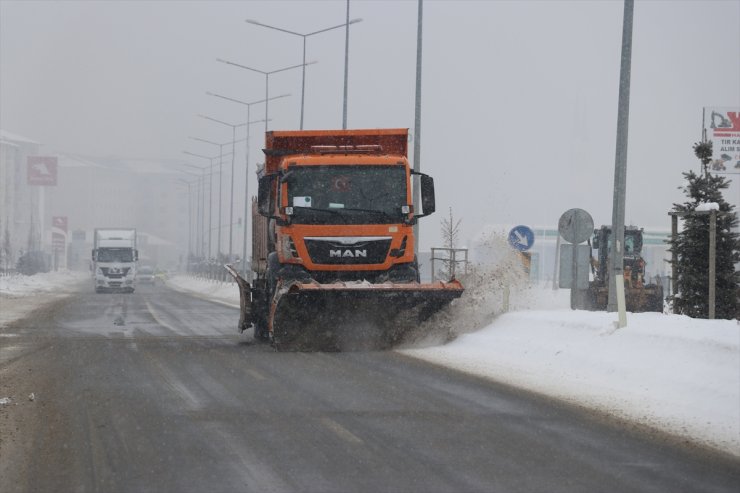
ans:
(159, 320)
(256, 374)
(341, 431)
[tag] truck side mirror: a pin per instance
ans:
(427, 194)
(136, 255)
(93, 255)
(265, 193)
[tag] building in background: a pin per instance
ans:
(88, 192)
(110, 193)
(21, 221)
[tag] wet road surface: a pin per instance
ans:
(155, 391)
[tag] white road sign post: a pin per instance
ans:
(575, 226)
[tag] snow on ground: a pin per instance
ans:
(18, 285)
(19, 295)
(669, 372)
(224, 292)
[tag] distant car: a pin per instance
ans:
(145, 275)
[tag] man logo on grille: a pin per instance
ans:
(348, 253)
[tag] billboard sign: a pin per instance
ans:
(722, 127)
(42, 170)
(58, 233)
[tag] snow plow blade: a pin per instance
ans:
(353, 316)
(245, 303)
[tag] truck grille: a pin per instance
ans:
(115, 273)
(348, 250)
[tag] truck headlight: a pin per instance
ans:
(289, 249)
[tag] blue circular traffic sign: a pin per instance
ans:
(521, 238)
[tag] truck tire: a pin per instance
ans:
(260, 334)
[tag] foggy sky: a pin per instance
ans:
(519, 97)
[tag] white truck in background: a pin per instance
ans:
(114, 257)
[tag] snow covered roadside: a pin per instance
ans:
(223, 292)
(20, 295)
(669, 372)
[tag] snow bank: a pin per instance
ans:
(20, 295)
(59, 281)
(224, 292)
(667, 371)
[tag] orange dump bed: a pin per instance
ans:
(278, 144)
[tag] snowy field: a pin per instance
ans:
(668, 372)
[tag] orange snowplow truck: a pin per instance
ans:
(333, 243)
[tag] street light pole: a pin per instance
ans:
(220, 181)
(233, 157)
(417, 123)
(616, 250)
(201, 243)
(267, 80)
(304, 36)
(246, 174)
(196, 207)
(190, 224)
(346, 71)
(210, 195)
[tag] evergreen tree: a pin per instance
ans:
(692, 248)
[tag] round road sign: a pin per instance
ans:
(576, 226)
(521, 238)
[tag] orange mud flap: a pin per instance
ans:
(245, 299)
(352, 316)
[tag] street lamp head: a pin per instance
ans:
(204, 140)
(303, 35)
(205, 157)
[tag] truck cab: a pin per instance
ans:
(114, 259)
(344, 214)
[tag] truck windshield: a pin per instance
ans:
(359, 194)
(115, 255)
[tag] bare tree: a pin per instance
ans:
(450, 231)
(450, 235)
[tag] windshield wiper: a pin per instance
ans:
(333, 211)
(373, 211)
(315, 209)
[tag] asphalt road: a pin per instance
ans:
(155, 391)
